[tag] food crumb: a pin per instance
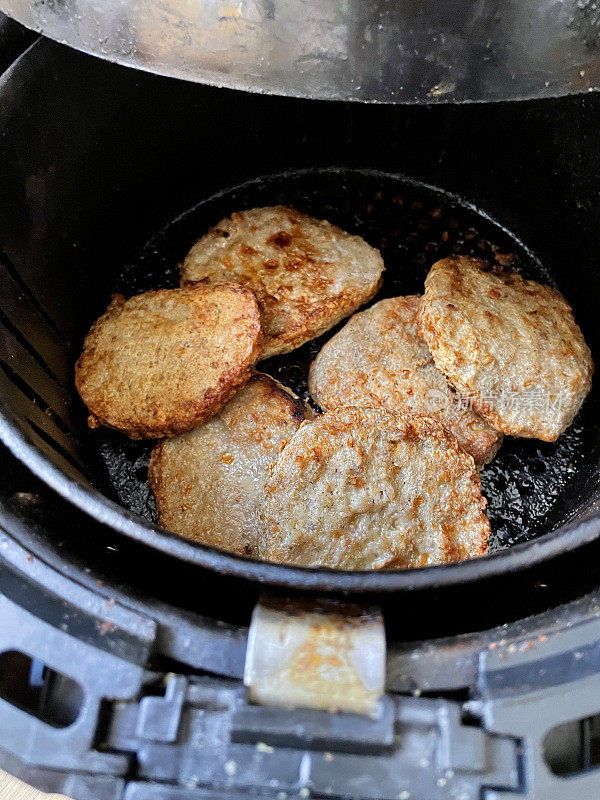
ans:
(105, 627)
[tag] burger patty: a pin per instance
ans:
(307, 274)
(209, 483)
(379, 360)
(510, 345)
(165, 361)
(361, 488)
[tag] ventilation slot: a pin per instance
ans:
(31, 393)
(573, 747)
(33, 328)
(30, 685)
(26, 345)
(18, 280)
(21, 361)
(56, 446)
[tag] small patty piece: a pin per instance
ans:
(209, 483)
(306, 273)
(361, 488)
(162, 362)
(379, 360)
(510, 345)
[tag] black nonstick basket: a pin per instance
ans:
(108, 176)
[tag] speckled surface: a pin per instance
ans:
(413, 225)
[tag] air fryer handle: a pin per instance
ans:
(316, 654)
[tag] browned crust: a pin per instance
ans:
(409, 427)
(377, 360)
(192, 491)
(179, 414)
(298, 410)
(317, 322)
(446, 282)
(154, 468)
(287, 322)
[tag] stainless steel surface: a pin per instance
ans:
(390, 51)
(316, 657)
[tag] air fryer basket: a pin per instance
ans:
(98, 165)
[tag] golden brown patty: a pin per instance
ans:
(379, 360)
(509, 344)
(306, 273)
(362, 488)
(209, 482)
(163, 362)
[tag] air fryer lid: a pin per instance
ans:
(82, 191)
(406, 51)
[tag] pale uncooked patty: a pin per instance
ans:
(306, 273)
(365, 489)
(379, 360)
(209, 483)
(509, 344)
(162, 362)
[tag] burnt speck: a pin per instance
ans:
(105, 627)
(27, 499)
(280, 240)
